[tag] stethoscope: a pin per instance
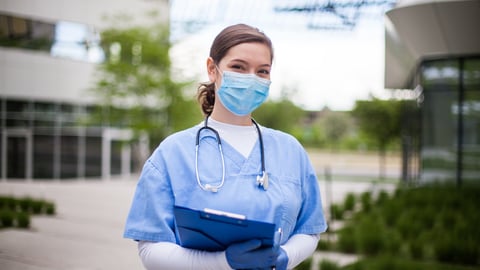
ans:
(262, 179)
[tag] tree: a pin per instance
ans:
(335, 126)
(282, 115)
(134, 85)
(379, 120)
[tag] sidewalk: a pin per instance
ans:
(86, 233)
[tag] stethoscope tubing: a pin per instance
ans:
(208, 187)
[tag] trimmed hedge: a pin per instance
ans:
(16, 212)
(435, 224)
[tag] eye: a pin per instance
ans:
(264, 71)
(237, 67)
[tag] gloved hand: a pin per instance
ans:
(282, 260)
(249, 255)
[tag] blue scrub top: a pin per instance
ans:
(292, 200)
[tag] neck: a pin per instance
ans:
(230, 118)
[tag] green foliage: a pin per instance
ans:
(433, 223)
(328, 265)
(324, 245)
(366, 200)
(392, 262)
(282, 115)
(23, 220)
(371, 236)
(15, 212)
(349, 202)
(347, 240)
(7, 218)
(134, 85)
(335, 126)
(336, 211)
(331, 129)
(379, 120)
(383, 122)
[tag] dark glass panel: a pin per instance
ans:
(69, 157)
(43, 147)
(116, 158)
(16, 153)
(93, 157)
(439, 119)
(471, 120)
(18, 113)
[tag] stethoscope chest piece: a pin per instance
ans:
(262, 180)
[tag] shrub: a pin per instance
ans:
(7, 218)
(370, 236)
(416, 248)
(25, 204)
(349, 202)
(366, 200)
(323, 245)
(329, 265)
(382, 197)
(392, 242)
(336, 212)
(7, 202)
(23, 220)
(451, 249)
(37, 206)
(428, 223)
(347, 240)
(16, 212)
(50, 208)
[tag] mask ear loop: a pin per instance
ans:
(220, 73)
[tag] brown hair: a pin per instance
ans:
(229, 37)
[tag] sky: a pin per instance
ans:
(314, 68)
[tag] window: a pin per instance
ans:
(60, 39)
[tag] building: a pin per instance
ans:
(433, 46)
(49, 51)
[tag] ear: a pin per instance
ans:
(211, 69)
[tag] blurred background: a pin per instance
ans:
(384, 94)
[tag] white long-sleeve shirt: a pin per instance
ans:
(167, 255)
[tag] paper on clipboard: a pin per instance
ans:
(214, 230)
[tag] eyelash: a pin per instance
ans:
(263, 71)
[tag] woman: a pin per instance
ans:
(261, 173)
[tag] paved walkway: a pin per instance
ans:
(86, 233)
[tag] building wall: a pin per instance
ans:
(27, 74)
(91, 12)
(44, 87)
(433, 46)
(36, 74)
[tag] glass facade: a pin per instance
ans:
(60, 39)
(46, 140)
(450, 117)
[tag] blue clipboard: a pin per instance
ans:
(214, 230)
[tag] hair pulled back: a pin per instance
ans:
(229, 37)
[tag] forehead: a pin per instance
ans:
(255, 53)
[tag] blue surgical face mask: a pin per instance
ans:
(242, 93)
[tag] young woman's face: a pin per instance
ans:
(251, 58)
